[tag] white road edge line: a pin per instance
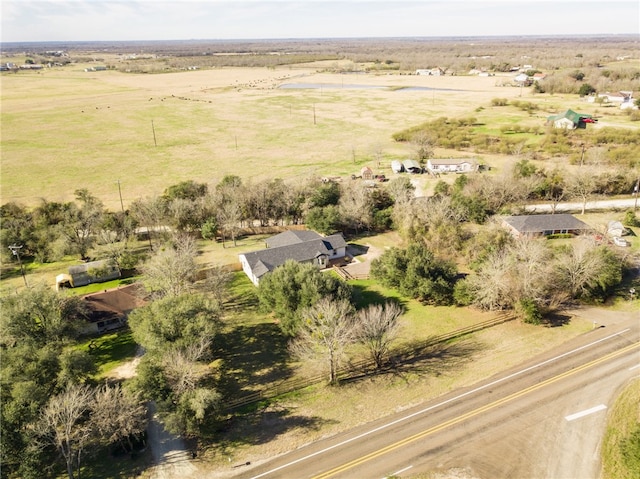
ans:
(634, 367)
(430, 408)
(398, 472)
(586, 412)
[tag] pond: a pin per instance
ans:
(355, 86)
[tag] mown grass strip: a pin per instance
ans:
(621, 443)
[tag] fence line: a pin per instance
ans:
(363, 367)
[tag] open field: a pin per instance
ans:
(64, 129)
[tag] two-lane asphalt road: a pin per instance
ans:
(543, 419)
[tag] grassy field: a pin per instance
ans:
(623, 420)
(64, 129)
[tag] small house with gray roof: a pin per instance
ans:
(302, 246)
(544, 225)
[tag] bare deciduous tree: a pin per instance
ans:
(118, 415)
(377, 328)
(327, 329)
(581, 185)
(181, 366)
(422, 144)
(356, 205)
(171, 270)
(578, 267)
(520, 271)
(151, 213)
(63, 423)
(216, 282)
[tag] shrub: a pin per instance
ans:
(586, 90)
(630, 219)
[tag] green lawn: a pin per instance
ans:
(110, 350)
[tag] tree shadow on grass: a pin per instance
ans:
(265, 425)
(432, 360)
(555, 320)
(253, 356)
(363, 297)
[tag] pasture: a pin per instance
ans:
(64, 128)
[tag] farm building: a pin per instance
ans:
(619, 97)
(302, 246)
(91, 272)
(544, 225)
(411, 166)
(570, 120)
(451, 165)
(366, 173)
(396, 166)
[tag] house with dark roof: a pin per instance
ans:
(302, 246)
(570, 120)
(544, 225)
(109, 309)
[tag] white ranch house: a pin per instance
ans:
(451, 165)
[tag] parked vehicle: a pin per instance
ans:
(618, 241)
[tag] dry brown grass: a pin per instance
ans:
(67, 129)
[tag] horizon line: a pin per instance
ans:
(270, 39)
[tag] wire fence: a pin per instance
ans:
(363, 368)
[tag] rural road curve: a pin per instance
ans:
(542, 419)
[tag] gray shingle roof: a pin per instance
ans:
(291, 237)
(542, 223)
(268, 259)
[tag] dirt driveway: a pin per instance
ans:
(362, 257)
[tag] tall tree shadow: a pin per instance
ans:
(264, 425)
(362, 297)
(427, 360)
(253, 356)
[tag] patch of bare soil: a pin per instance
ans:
(456, 474)
(128, 369)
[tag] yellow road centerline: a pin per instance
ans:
(475, 412)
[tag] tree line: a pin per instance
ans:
(52, 230)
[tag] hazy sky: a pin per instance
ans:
(76, 20)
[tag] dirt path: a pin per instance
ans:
(171, 455)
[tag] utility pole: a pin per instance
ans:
(15, 249)
(120, 193)
(154, 134)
